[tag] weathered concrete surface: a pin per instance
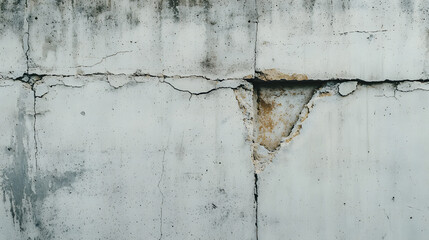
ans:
(13, 38)
(17, 161)
(355, 169)
(208, 38)
(141, 119)
(363, 39)
(134, 158)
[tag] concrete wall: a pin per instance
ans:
(214, 119)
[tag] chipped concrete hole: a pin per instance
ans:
(280, 108)
(277, 109)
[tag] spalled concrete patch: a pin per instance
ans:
(278, 109)
(347, 88)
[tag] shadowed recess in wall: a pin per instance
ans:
(278, 108)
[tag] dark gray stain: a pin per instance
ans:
(16, 182)
(132, 19)
(209, 62)
(309, 4)
(25, 191)
(12, 15)
(178, 10)
(101, 15)
(407, 6)
(175, 5)
(345, 4)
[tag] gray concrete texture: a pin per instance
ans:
(214, 119)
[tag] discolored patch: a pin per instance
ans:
(279, 107)
(24, 189)
(275, 75)
(345, 4)
(407, 6)
(12, 15)
(309, 5)
(176, 5)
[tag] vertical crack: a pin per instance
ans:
(26, 38)
(162, 196)
(26, 42)
(255, 134)
(36, 152)
(256, 206)
(256, 37)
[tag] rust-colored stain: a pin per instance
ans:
(267, 123)
(296, 133)
(325, 94)
(265, 110)
(273, 75)
(248, 77)
(304, 117)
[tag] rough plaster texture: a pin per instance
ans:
(213, 119)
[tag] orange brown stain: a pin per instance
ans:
(266, 122)
(265, 110)
(296, 133)
(273, 75)
(325, 94)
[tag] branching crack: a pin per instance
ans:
(103, 59)
(202, 92)
(25, 76)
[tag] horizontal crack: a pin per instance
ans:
(368, 32)
(252, 79)
(191, 93)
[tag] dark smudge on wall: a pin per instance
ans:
(24, 191)
(12, 15)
